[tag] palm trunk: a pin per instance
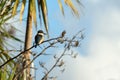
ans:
(28, 40)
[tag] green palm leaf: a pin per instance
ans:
(22, 9)
(44, 14)
(33, 11)
(61, 7)
(15, 7)
(70, 4)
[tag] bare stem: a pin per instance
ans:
(57, 61)
(25, 51)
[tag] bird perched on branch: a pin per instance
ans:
(39, 38)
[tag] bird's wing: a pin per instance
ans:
(38, 38)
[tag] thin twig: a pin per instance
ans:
(26, 51)
(35, 58)
(60, 56)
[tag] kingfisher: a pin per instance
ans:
(39, 38)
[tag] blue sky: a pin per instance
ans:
(101, 18)
(102, 21)
(99, 54)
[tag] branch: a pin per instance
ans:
(26, 51)
(17, 74)
(51, 44)
(57, 61)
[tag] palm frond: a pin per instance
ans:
(15, 7)
(22, 9)
(44, 11)
(70, 4)
(33, 11)
(61, 7)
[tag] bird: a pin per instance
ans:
(39, 38)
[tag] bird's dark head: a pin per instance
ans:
(41, 31)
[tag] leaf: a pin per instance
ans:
(70, 4)
(39, 10)
(45, 15)
(2, 4)
(15, 7)
(3, 74)
(8, 44)
(61, 7)
(7, 56)
(61, 63)
(4, 33)
(15, 38)
(13, 73)
(22, 9)
(61, 40)
(33, 11)
(2, 59)
(7, 18)
(79, 3)
(63, 33)
(76, 43)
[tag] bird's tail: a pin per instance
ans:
(35, 45)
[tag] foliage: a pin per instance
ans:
(7, 31)
(67, 43)
(8, 9)
(42, 9)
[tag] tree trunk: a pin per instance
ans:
(28, 40)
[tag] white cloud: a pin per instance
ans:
(94, 1)
(103, 61)
(107, 23)
(104, 47)
(97, 66)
